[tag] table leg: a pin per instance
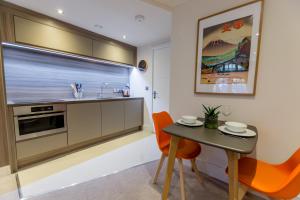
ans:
(170, 167)
(233, 174)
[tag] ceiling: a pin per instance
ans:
(169, 4)
(117, 17)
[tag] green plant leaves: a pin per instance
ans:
(211, 112)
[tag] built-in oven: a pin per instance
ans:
(35, 121)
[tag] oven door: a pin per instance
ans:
(32, 126)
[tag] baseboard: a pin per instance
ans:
(5, 171)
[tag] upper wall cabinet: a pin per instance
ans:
(34, 33)
(28, 27)
(108, 50)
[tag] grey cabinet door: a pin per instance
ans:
(133, 113)
(84, 122)
(112, 117)
(108, 50)
(34, 33)
(41, 145)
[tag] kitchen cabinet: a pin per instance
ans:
(112, 116)
(133, 113)
(88, 122)
(38, 34)
(84, 122)
(41, 145)
(42, 35)
(112, 51)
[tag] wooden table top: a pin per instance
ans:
(214, 137)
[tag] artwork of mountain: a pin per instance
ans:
(244, 46)
(218, 47)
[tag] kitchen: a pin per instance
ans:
(47, 118)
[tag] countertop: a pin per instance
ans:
(66, 101)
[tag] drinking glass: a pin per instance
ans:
(226, 110)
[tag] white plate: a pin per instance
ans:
(247, 133)
(198, 123)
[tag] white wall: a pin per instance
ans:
(275, 107)
(140, 80)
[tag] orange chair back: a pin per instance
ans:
(293, 161)
(162, 120)
(291, 187)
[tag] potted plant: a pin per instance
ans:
(211, 116)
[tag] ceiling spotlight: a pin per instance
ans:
(60, 11)
(124, 37)
(98, 26)
(139, 18)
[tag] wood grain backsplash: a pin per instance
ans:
(33, 75)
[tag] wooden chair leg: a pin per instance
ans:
(161, 162)
(182, 190)
(196, 170)
(171, 159)
(242, 191)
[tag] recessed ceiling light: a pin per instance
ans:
(60, 11)
(98, 26)
(124, 37)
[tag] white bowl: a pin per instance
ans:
(189, 119)
(236, 126)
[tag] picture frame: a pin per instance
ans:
(227, 50)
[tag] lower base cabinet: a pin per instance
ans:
(112, 117)
(41, 145)
(87, 122)
(84, 122)
(133, 113)
(121, 115)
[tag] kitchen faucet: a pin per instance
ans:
(103, 85)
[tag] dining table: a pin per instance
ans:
(234, 146)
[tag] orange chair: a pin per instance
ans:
(187, 149)
(280, 181)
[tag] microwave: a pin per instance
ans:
(36, 121)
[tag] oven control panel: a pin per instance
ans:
(41, 109)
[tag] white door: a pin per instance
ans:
(161, 79)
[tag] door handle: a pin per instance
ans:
(154, 94)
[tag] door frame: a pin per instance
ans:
(162, 46)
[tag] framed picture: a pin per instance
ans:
(228, 49)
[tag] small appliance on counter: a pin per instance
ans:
(126, 91)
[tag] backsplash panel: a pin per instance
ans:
(32, 75)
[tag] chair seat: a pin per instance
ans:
(261, 176)
(186, 149)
